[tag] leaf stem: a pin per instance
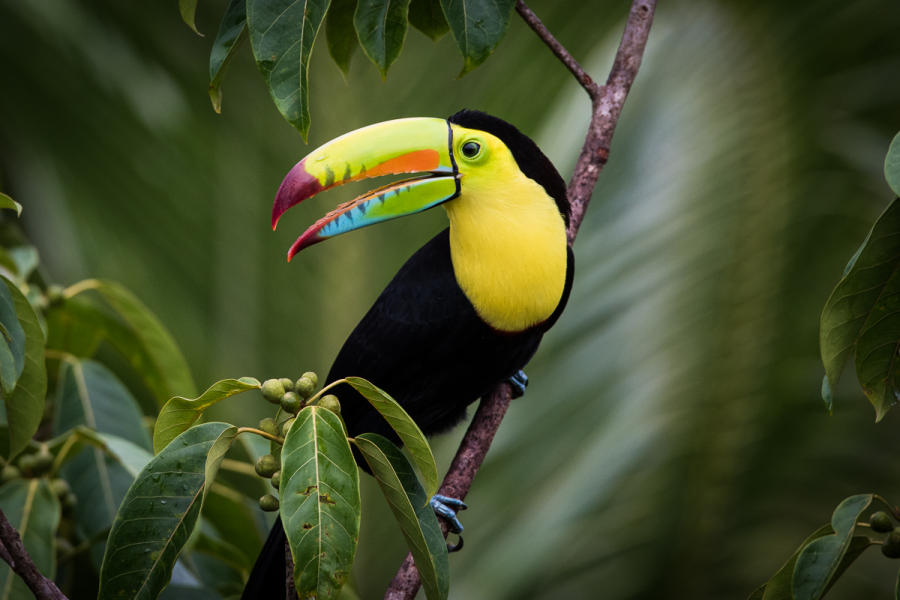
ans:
(315, 397)
(260, 432)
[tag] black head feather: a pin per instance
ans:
(533, 163)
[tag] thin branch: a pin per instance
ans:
(15, 554)
(607, 102)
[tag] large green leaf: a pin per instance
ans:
(12, 342)
(232, 31)
(340, 33)
(144, 341)
(179, 413)
(428, 17)
(406, 428)
(282, 34)
(779, 586)
(159, 513)
(89, 394)
(862, 315)
(409, 503)
(822, 560)
(320, 504)
(9, 203)
(892, 165)
(477, 27)
(33, 510)
(381, 26)
(25, 405)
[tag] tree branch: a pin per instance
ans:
(14, 553)
(606, 102)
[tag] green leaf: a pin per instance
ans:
(428, 17)
(340, 33)
(892, 165)
(381, 27)
(25, 258)
(282, 34)
(477, 27)
(409, 503)
(410, 434)
(9, 203)
(779, 586)
(25, 405)
(12, 342)
(159, 513)
(33, 510)
(188, 10)
(862, 315)
(89, 394)
(157, 357)
(236, 521)
(820, 562)
(232, 32)
(320, 504)
(179, 413)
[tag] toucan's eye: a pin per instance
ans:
(471, 149)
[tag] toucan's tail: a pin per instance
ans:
(267, 578)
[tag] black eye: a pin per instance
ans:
(471, 149)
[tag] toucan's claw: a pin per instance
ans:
(442, 508)
(519, 381)
(457, 546)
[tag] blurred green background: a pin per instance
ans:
(672, 443)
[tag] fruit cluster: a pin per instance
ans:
(881, 522)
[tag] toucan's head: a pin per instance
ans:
(471, 154)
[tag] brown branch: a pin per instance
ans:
(607, 102)
(14, 553)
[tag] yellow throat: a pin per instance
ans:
(507, 244)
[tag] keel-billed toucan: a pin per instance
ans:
(469, 308)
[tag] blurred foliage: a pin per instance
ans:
(673, 437)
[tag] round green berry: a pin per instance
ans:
(311, 375)
(881, 522)
(305, 386)
(288, 384)
(330, 402)
(268, 425)
(291, 402)
(43, 460)
(10, 472)
(891, 545)
(70, 501)
(272, 390)
(268, 503)
(276, 479)
(60, 488)
(286, 426)
(266, 465)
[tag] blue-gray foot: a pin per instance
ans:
(519, 382)
(446, 507)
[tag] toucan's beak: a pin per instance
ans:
(417, 145)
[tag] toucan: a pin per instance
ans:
(469, 308)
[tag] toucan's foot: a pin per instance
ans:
(519, 382)
(446, 507)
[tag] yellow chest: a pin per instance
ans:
(509, 253)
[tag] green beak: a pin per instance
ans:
(416, 145)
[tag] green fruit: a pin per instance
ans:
(10, 472)
(311, 375)
(70, 502)
(60, 488)
(291, 402)
(288, 384)
(891, 545)
(268, 503)
(43, 460)
(266, 465)
(276, 479)
(330, 402)
(268, 425)
(26, 464)
(305, 386)
(286, 426)
(272, 390)
(881, 522)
